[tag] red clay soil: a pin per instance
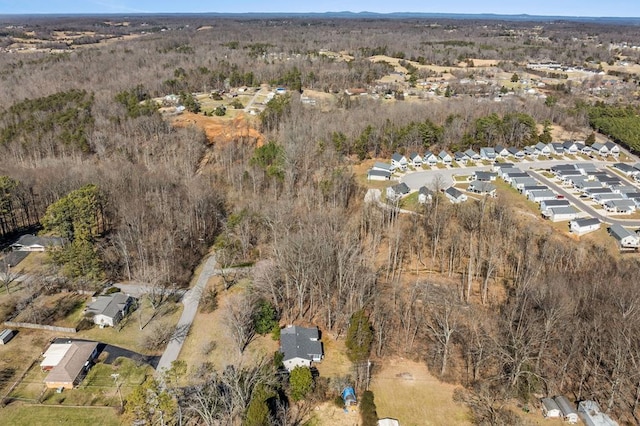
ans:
(221, 129)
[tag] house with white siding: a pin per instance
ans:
(399, 162)
(584, 226)
(624, 237)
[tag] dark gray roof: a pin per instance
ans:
(610, 145)
(562, 210)
(559, 167)
(506, 166)
(382, 166)
(382, 173)
(533, 187)
(300, 342)
(593, 191)
(482, 187)
(587, 221)
(485, 175)
(397, 157)
(517, 174)
(618, 232)
(550, 404)
(109, 305)
(514, 151)
(443, 154)
(562, 173)
(565, 406)
(30, 240)
(425, 191)
(6, 334)
(627, 168)
(626, 204)
(454, 192)
(556, 203)
(401, 188)
(586, 167)
(542, 193)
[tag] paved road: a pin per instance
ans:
(445, 177)
(577, 201)
(426, 177)
(190, 300)
(255, 96)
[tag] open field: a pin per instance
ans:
(36, 415)
(405, 390)
(209, 339)
(17, 355)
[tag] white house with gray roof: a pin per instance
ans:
(300, 346)
(624, 237)
(109, 310)
(30, 242)
(559, 214)
(584, 226)
(399, 162)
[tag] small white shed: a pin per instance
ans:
(550, 408)
(568, 410)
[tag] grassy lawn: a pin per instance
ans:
(405, 390)
(34, 263)
(410, 202)
(335, 362)
(128, 334)
(32, 415)
(516, 199)
(209, 339)
(31, 386)
(461, 178)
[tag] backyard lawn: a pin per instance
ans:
(37, 415)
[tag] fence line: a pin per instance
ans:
(40, 327)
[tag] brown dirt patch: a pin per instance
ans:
(220, 129)
(328, 414)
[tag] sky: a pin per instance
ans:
(610, 8)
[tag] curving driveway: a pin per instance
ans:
(445, 177)
(190, 300)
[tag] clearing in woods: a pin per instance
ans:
(405, 390)
(221, 129)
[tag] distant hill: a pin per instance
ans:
(375, 15)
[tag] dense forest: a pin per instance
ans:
(487, 298)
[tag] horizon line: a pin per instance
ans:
(143, 13)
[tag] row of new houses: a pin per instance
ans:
(607, 190)
(551, 206)
(383, 171)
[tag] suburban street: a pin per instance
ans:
(578, 202)
(190, 300)
(445, 177)
(415, 180)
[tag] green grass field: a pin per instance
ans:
(36, 415)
